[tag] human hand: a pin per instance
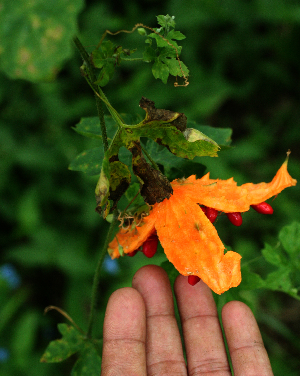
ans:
(141, 336)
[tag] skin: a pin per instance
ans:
(141, 336)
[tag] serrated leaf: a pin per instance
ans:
(100, 55)
(35, 37)
(166, 21)
(161, 42)
(175, 68)
(106, 74)
(222, 136)
(103, 78)
(286, 277)
(98, 58)
(250, 280)
(161, 71)
(89, 362)
(149, 54)
(169, 136)
(290, 239)
(175, 35)
(89, 161)
(63, 348)
(273, 255)
(90, 127)
(174, 167)
(280, 280)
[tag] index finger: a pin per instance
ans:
(124, 335)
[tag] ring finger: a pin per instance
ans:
(202, 333)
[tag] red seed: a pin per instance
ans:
(193, 279)
(211, 214)
(150, 246)
(263, 208)
(235, 218)
(133, 253)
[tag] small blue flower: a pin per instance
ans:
(4, 355)
(111, 266)
(10, 275)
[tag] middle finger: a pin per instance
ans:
(163, 344)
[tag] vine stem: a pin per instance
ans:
(150, 159)
(98, 272)
(91, 79)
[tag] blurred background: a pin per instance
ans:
(244, 74)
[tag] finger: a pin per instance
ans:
(205, 349)
(163, 345)
(247, 351)
(124, 335)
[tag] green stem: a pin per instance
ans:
(97, 274)
(133, 59)
(91, 79)
(150, 158)
(82, 51)
(102, 122)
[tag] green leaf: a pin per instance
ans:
(99, 56)
(222, 136)
(89, 362)
(280, 280)
(107, 48)
(175, 35)
(103, 78)
(174, 167)
(290, 239)
(119, 181)
(166, 21)
(61, 349)
(35, 37)
(169, 136)
(89, 161)
(160, 70)
(161, 42)
(285, 256)
(273, 255)
(149, 54)
(174, 68)
(89, 127)
(106, 73)
(250, 280)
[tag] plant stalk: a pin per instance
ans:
(155, 166)
(92, 78)
(97, 274)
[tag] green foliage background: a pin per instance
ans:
(244, 72)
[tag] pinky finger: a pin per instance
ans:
(246, 348)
